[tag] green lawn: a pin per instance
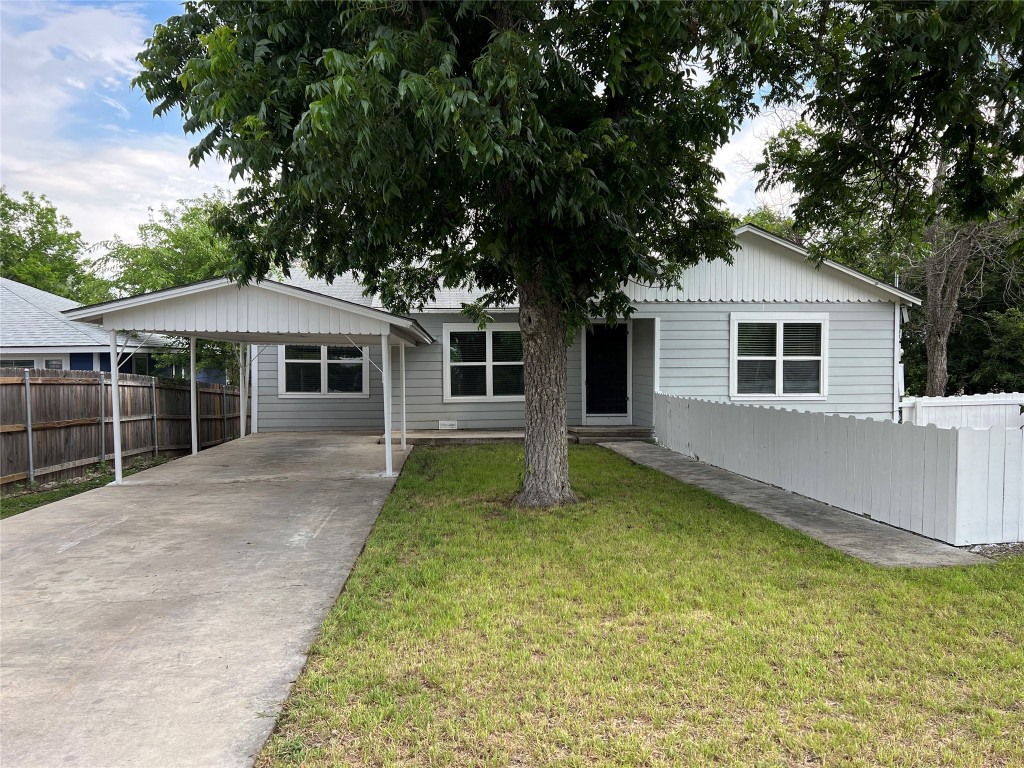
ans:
(651, 624)
(26, 499)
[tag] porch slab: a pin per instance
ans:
(860, 537)
(582, 435)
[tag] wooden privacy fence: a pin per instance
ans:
(55, 424)
(962, 486)
(980, 411)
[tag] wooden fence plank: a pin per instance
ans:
(72, 422)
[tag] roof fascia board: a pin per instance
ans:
(94, 312)
(63, 348)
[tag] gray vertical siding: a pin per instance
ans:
(642, 395)
(695, 353)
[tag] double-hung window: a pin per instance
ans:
(483, 364)
(776, 355)
(307, 370)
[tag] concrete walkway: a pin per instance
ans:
(162, 622)
(869, 540)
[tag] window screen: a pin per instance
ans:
(310, 369)
(779, 358)
(344, 369)
(484, 364)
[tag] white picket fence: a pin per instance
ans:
(980, 411)
(962, 486)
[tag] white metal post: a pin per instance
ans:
(657, 354)
(194, 394)
(243, 387)
(254, 387)
(385, 350)
(115, 399)
(401, 360)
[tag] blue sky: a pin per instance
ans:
(72, 128)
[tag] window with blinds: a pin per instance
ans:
(483, 364)
(309, 370)
(775, 355)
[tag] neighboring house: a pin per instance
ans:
(34, 334)
(770, 329)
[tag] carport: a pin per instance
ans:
(265, 313)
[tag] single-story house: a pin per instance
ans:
(771, 328)
(35, 334)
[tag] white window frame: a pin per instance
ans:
(323, 393)
(9, 362)
(780, 319)
(447, 330)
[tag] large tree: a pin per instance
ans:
(915, 122)
(545, 152)
(40, 247)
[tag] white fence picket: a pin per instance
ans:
(963, 486)
(1013, 488)
(978, 411)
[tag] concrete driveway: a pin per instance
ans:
(162, 622)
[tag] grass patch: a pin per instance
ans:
(651, 624)
(24, 499)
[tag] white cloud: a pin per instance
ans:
(67, 131)
(65, 81)
(737, 160)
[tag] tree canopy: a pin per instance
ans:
(913, 111)
(492, 143)
(909, 157)
(545, 152)
(39, 247)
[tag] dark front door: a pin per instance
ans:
(606, 370)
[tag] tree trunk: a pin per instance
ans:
(938, 374)
(546, 462)
(945, 270)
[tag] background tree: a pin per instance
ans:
(39, 247)
(914, 122)
(177, 245)
(978, 312)
(545, 152)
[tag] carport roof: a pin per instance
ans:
(264, 313)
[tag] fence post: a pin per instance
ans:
(103, 420)
(223, 414)
(28, 430)
(152, 398)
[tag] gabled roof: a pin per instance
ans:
(264, 312)
(828, 264)
(347, 288)
(31, 318)
(706, 281)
